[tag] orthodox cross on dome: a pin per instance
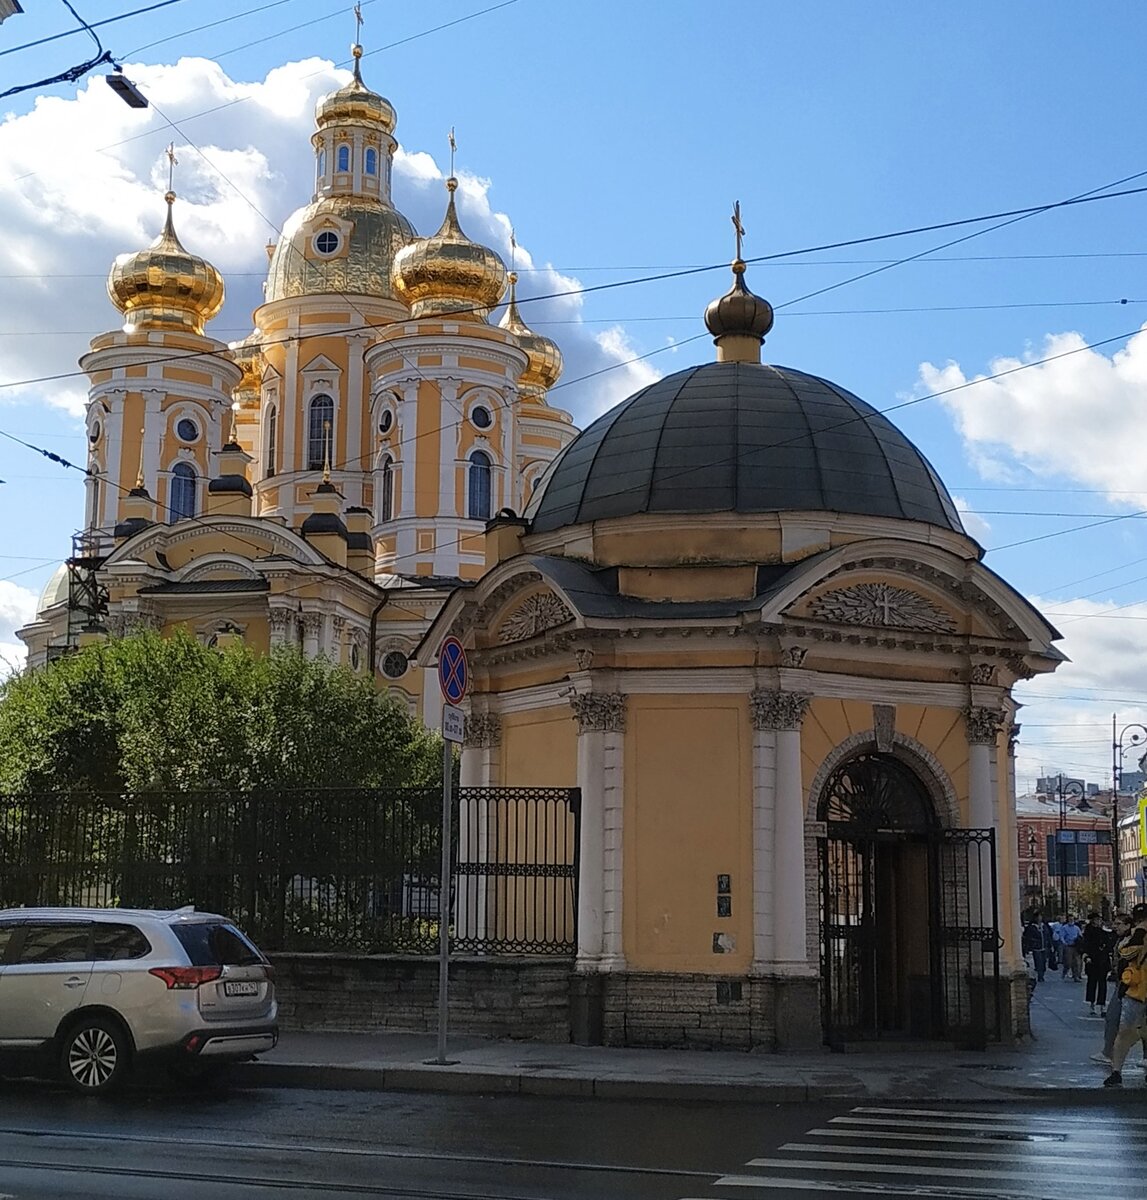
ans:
(738, 228)
(513, 250)
(172, 163)
(326, 452)
(453, 149)
(356, 48)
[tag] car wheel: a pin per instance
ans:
(94, 1055)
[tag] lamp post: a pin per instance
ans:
(1065, 788)
(1138, 736)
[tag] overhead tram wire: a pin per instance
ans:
(247, 12)
(54, 37)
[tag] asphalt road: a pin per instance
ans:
(244, 1144)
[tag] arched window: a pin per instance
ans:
(478, 506)
(320, 426)
(272, 442)
(94, 497)
(344, 158)
(371, 159)
(183, 487)
(321, 168)
(386, 490)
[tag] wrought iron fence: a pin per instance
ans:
(333, 869)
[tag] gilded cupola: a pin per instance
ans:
(448, 274)
(165, 286)
(739, 319)
(355, 104)
(543, 358)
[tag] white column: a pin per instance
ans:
(764, 798)
(601, 726)
(312, 632)
(282, 621)
(481, 753)
(983, 725)
(780, 713)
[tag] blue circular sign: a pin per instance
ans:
(453, 673)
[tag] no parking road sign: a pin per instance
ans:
(453, 671)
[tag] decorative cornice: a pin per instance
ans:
(602, 712)
(983, 725)
(777, 710)
(483, 730)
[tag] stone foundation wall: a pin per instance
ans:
(527, 999)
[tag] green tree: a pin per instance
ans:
(147, 713)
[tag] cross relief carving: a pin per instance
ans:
(881, 605)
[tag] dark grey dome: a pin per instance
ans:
(741, 437)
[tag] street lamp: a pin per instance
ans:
(1065, 788)
(1138, 736)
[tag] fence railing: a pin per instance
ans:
(353, 870)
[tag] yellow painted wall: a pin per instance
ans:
(688, 818)
(539, 749)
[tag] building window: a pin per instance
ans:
(1071, 856)
(183, 487)
(481, 416)
(327, 242)
(344, 158)
(395, 664)
(321, 166)
(187, 429)
(272, 442)
(385, 421)
(478, 506)
(386, 490)
(320, 427)
(371, 159)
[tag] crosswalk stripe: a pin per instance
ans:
(1025, 1153)
(966, 1114)
(1001, 1126)
(1099, 1138)
(796, 1164)
(871, 1187)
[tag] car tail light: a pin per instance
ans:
(186, 977)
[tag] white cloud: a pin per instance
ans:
(1077, 416)
(1066, 717)
(976, 526)
(82, 180)
(17, 607)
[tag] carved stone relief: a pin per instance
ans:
(884, 726)
(983, 725)
(881, 605)
(534, 615)
(483, 730)
(599, 711)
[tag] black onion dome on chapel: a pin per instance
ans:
(746, 438)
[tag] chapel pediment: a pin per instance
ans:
(879, 605)
(535, 614)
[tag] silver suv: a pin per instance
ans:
(98, 988)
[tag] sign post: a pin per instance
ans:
(453, 679)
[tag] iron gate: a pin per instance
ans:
(875, 985)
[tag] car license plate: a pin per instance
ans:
(240, 989)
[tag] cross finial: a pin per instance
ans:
(738, 227)
(172, 163)
(513, 249)
(326, 452)
(357, 21)
(453, 149)
(356, 49)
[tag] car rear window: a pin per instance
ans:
(216, 945)
(59, 942)
(114, 943)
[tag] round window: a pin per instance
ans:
(327, 242)
(394, 664)
(481, 416)
(187, 429)
(385, 421)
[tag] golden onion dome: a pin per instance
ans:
(165, 286)
(355, 104)
(361, 267)
(739, 312)
(247, 355)
(448, 274)
(544, 359)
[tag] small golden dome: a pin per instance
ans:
(247, 355)
(448, 274)
(355, 104)
(544, 359)
(739, 312)
(164, 286)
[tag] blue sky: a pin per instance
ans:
(615, 138)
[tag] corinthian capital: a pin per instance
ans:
(983, 725)
(778, 710)
(601, 711)
(483, 730)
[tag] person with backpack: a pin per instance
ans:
(1036, 941)
(1095, 946)
(1132, 992)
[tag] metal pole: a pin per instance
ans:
(1116, 772)
(444, 900)
(1062, 852)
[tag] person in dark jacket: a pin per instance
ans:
(1036, 941)
(1095, 945)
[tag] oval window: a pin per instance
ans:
(481, 416)
(394, 664)
(94, 433)
(187, 429)
(327, 242)
(385, 421)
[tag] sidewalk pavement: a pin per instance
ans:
(1053, 1064)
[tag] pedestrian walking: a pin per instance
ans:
(1036, 941)
(1095, 947)
(1122, 931)
(1133, 994)
(1069, 935)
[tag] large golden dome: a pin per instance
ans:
(355, 104)
(164, 286)
(448, 274)
(543, 358)
(362, 267)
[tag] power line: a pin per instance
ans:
(94, 25)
